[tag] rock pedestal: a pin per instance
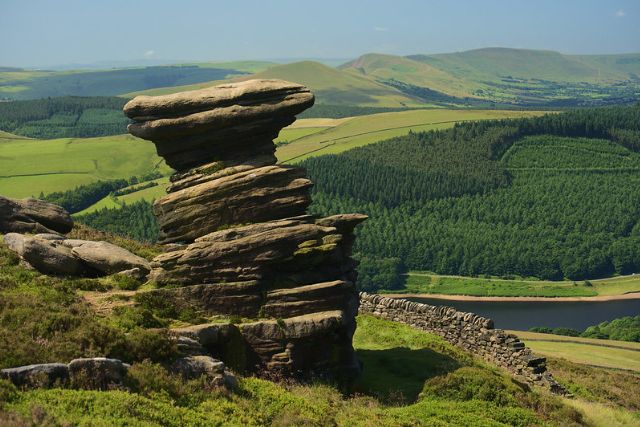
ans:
(239, 241)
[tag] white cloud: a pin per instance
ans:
(381, 29)
(149, 53)
(621, 13)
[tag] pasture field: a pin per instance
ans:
(364, 130)
(115, 202)
(30, 167)
(586, 351)
(430, 283)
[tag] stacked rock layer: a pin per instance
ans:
(238, 239)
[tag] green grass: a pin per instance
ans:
(364, 130)
(33, 166)
(428, 283)
(115, 202)
(603, 353)
(410, 377)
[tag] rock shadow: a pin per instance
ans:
(397, 375)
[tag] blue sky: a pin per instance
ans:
(41, 33)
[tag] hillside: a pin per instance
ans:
(387, 67)
(410, 377)
(508, 76)
(492, 64)
(330, 85)
(549, 197)
(64, 117)
(26, 84)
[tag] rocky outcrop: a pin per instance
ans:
(53, 254)
(239, 242)
(101, 373)
(33, 216)
(469, 331)
(219, 123)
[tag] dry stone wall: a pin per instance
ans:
(468, 331)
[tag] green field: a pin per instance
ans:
(30, 167)
(364, 130)
(429, 283)
(62, 164)
(594, 352)
(115, 202)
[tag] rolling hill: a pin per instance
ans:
(331, 86)
(27, 84)
(508, 76)
(482, 78)
(493, 64)
(388, 67)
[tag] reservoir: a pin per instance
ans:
(527, 314)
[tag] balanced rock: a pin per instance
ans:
(192, 128)
(33, 216)
(238, 240)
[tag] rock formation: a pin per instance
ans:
(238, 240)
(33, 216)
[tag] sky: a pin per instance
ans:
(39, 33)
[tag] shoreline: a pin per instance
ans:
(598, 298)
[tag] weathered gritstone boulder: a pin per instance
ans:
(108, 258)
(196, 127)
(46, 256)
(40, 375)
(72, 257)
(33, 216)
(238, 240)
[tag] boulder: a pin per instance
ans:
(49, 257)
(108, 258)
(41, 375)
(97, 372)
(195, 366)
(33, 216)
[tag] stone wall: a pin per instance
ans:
(468, 331)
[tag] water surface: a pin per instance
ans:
(527, 314)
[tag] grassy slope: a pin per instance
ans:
(603, 353)
(331, 86)
(31, 166)
(428, 283)
(397, 361)
(365, 130)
